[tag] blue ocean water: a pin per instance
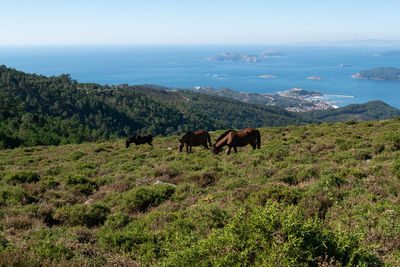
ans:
(183, 67)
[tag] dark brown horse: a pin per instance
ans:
(236, 139)
(139, 139)
(194, 139)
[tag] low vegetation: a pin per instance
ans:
(314, 195)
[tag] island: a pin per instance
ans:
(267, 76)
(226, 56)
(234, 56)
(382, 74)
(271, 53)
(319, 78)
(388, 53)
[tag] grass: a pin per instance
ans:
(312, 195)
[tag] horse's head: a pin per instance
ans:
(127, 142)
(181, 144)
(216, 150)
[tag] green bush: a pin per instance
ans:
(14, 195)
(79, 214)
(81, 184)
(77, 155)
(117, 220)
(3, 243)
(281, 194)
(23, 177)
(142, 198)
(277, 150)
(276, 235)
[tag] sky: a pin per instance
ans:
(113, 22)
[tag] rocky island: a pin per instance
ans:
(226, 56)
(267, 76)
(318, 78)
(233, 56)
(271, 53)
(382, 74)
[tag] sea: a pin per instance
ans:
(183, 66)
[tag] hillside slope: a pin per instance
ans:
(314, 194)
(372, 110)
(39, 110)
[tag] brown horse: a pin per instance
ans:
(238, 139)
(194, 139)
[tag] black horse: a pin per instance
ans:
(139, 139)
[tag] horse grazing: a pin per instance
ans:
(194, 139)
(222, 136)
(238, 139)
(139, 139)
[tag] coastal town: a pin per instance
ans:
(313, 98)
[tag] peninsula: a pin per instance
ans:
(383, 74)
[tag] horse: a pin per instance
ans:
(139, 139)
(197, 138)
(238, 139)
(222, 136)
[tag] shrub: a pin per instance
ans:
(117, 220)
(81, 184)
(276, 235)
(23, 177)
(204, 179)
(143, 197)
(79, 214)
(11, 195)
(281, 194)
(277, 150)
(77, 155)
(3, 243)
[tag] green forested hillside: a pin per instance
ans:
(39, 110)
(313, 195)
(359, 112)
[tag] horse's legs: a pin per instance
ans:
(235, 149)
(190, 149)
(187, 148)
(228, 150)
(254, 146)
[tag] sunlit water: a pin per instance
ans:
(183, 67)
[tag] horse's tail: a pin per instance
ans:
(208, 138)
(258, 139)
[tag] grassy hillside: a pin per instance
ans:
(312, 195)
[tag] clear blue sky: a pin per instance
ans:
(65, 22)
